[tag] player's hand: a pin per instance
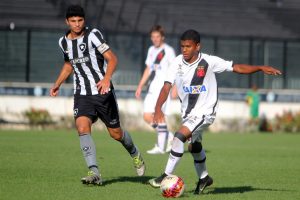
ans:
(103, 86)
(270, 70)
(138, 92)
(158, 118)
(54, 91)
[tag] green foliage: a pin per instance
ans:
(38, 116)
(288, 122)
(46, 165)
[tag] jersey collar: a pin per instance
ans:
(196, 61)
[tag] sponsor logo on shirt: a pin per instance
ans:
(194, 89)
(80, 60)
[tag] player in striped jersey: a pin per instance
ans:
(193, 72)
(93, 62)
(159, 57)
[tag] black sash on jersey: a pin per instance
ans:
(197, 79)
(157, 61)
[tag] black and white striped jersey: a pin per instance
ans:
(196, 83)
(85, 55)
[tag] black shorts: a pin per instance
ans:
(100, 106)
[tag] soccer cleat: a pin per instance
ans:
(92, 178)
(139, 165)
(155, 182)
(155, 150)
(202, 184)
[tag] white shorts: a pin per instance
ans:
(197, 124)
(150, 102)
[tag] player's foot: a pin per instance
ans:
(169, 143)
(92, 178)
(139, 165)
(202, 184)
(155, 182)
(155, 150)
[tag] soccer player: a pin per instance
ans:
(93, 62)
(159, 57)
(193, 72)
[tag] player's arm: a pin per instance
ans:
(142, 82)
(111, 59)
(163, 95)
(249, 69)
(67, 69)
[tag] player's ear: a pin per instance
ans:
(198, 46)
(67, 22)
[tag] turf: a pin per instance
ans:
(48, 165)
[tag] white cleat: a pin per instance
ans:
(139, 165)
(155, 150)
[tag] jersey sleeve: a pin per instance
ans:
(148, 61)
(62, 47)
(220, 65)
(99, 42)
(171, 72)
(172, 56)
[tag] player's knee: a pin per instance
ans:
(116, 134)
(195, 147)
(180, 136)
(83, 129)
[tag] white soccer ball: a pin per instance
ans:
(172, 186)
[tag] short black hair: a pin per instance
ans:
(75, 11)
(191, 35)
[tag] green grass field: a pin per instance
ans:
(48, 165)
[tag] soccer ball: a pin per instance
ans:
(172, 186)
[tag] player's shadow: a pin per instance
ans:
(136, 179)
(238, 189)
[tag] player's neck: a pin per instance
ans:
(73, 35)
(160, 45)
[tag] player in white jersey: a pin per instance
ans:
(93, 62)
(159, 57)
(193, 73)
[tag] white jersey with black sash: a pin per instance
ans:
(85, 55)
(196, 83)
(158, 60)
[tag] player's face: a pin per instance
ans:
(76, 24)
(157, 39)
(190, 50)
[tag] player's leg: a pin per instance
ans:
(176, 153)
(107, 111)
(83, 125)
(161, 129)
(125, 139)
(198, 153)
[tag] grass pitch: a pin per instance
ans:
(46, 165)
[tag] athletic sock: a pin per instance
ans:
(162, 136)
(176, 153)
(89, 151)
(199, 162)
(128, 144)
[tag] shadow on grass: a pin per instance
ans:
(231, 190)
(135, 179)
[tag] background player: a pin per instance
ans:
(194, 75)
(90, 58)
(159, 57)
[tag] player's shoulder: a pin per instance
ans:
(209, 58)
(168, 47)
(178, 59)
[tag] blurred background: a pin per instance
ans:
(258, 32)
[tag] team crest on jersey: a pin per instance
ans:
(194, 89)
(82, 47)
(180, 72)
(200, 71)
